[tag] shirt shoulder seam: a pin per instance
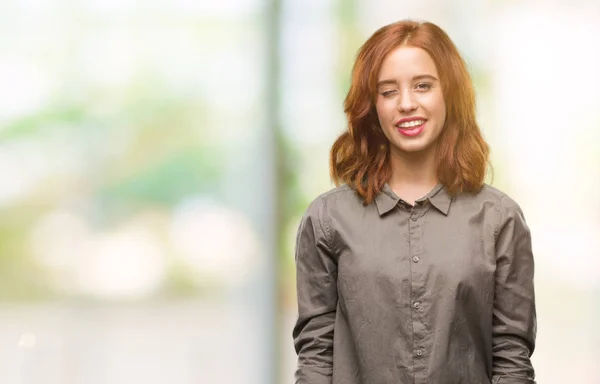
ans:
(326, 217)
(498, 216)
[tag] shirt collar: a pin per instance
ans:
(439, 197)
(386, 200)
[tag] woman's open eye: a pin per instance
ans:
(423, 86)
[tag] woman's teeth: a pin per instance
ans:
(409, 124)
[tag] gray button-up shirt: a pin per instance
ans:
(440, 292)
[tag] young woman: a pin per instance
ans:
(413, 270)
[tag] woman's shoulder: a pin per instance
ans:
(492, 194)
(506, 206)
(344, 192)
(488, 192)
(497, 203)
(342, 195)
(502, 198)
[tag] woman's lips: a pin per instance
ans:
(412, 131)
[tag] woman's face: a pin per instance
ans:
(410, 104)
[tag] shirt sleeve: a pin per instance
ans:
(514, 315)
(316, 280)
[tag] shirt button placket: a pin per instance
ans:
(418, 287)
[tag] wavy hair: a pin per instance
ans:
(360, 156)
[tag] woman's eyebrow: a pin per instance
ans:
(426, 76)
(385, 82)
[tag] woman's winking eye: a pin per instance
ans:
(388, 92)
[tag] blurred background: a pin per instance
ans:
(156, 157)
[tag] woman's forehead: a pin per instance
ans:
(407, 62)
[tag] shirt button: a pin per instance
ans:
(417, 305)
(419, 352)
(416, 259)
(414, 217)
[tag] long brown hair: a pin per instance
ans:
(360, 156)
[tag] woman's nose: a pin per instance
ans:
(406, 102)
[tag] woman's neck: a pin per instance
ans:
(413, 174)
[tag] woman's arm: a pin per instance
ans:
(514, 314)
(316, 277)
